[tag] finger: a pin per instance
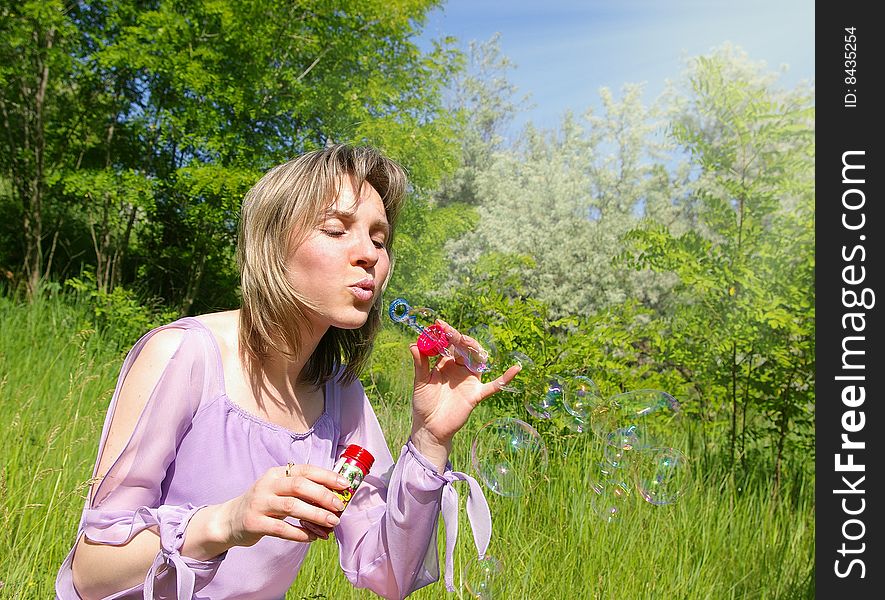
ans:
(287, 506)
(496, 385)
(309, 492)
(455, 336)
(465, 343)
(324, 477)
(421, 362)
(321, 532)
(286, 531)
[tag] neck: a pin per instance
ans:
(278, 377)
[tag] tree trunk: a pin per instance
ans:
(783, 429)
(193, 285)
(32, 183)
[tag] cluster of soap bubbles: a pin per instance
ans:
(630, 452)
(636, 454)
(629, 429)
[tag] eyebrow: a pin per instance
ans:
(346, 215)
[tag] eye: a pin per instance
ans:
(333, 232)
(380, 244)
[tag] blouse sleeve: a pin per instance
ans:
(387, 534)
(128, 498)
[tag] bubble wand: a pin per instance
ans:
(432, 340)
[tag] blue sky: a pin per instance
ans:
(565, 50)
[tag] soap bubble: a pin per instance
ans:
(641, 403)
(483, 335)
(518, 384)
(546, 402)
(620, 444)
(509, 456)
(662, 475)
(483, 578)
(573, 423)
(582, 397)
(650, 412)
(481, 356)
(608, 499)
(476, 359)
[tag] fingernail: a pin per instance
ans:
(343, 482)
(338, 504)
(332, 520)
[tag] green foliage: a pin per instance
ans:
(420, 249)
(120, 311)
(152, 121)
(743, 331)
(482, 97)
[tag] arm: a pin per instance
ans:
(128, 536)
(387, 536)
(123, 523)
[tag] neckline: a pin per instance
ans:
(232, 404)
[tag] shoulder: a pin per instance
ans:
(224, 327)
(189, 335)
(160, 344)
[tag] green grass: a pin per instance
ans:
(721, 540)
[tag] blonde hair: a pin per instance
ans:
(277, 214)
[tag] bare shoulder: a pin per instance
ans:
(161, 344)
(152, 359)
(224, 327)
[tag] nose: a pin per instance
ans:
(364, 253)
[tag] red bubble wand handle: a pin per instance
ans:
(432, 340)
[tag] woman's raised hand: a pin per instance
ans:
(446, 394)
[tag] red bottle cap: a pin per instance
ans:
(361, 455)
(432, 341)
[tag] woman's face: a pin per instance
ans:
(343, 262)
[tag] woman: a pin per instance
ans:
(213, 472)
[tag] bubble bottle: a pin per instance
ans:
(353, 465)
(432, 340)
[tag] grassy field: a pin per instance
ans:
(723, 539)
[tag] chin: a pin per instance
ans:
(356, 319)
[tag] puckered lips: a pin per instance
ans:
(364, 289)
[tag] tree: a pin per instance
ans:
(563, 198)
(37, 52)
(483, 97)
(182, 105)
(744, 328)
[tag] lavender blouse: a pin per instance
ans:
(192, 447)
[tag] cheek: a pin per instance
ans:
(304, 270)
(382, 268)
(308, 256)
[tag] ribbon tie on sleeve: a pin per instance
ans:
(119, 526)
(478, 515)
(172, 521)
